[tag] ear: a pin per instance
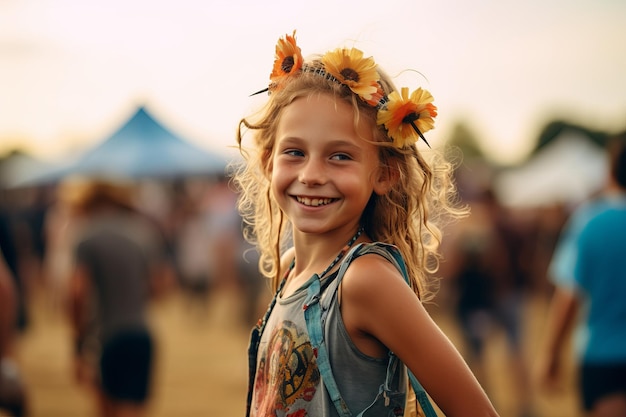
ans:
(385, 178)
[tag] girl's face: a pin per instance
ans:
(323, 171)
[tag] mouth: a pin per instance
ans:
(314, 202)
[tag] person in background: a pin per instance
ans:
(120, 263)
(589, 273)
(12, 388)
(485, 267)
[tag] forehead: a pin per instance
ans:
(323, 113)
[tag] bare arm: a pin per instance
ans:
(379, 307)
(77, 302)
(161, 280)
(561, 318)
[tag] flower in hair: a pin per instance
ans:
(350, 68)
(288, 60)
(406, 117)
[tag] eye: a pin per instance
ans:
(341, 157)
(293, 152)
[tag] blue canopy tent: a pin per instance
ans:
(141, 148)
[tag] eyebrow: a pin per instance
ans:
(332, 143)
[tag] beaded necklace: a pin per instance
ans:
(341, 253)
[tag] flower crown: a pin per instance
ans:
(405, 117)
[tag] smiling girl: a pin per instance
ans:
(343, 208)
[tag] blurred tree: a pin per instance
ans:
(467, 141)
(557, 127)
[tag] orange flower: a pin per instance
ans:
(350, 68)
(288, 59)
(407, 118)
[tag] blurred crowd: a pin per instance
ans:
(185, 236)
(101, 250)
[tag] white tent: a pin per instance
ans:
(567, 170)
(18, 167)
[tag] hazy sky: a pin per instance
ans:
(72, 70)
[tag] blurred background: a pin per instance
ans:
(150, 93)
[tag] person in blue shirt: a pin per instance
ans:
(588, 270)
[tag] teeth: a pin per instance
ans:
(314, 202)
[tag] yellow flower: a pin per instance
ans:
(407, 118)
(350, 68)
(288, 59)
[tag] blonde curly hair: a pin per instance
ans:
(409, 216)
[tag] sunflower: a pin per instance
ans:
(288, 59)
(350, 68)
(407, 118)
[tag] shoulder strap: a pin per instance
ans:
(315, 315)
(313, 318)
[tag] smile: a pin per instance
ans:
(314, 202)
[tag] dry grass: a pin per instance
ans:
(202, 365)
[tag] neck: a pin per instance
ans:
(314, 252)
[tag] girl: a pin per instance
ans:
(335, 171)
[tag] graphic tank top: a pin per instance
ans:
(288, 382)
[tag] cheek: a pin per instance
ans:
(357, 185)
(279, 180)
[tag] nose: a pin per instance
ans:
(312, 172)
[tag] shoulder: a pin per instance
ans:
(377, 305)
(372, 275)
(587, 211)
(608, 221)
